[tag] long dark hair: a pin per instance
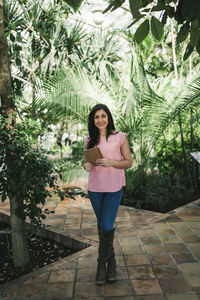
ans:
(93, 130)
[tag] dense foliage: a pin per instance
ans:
(153, 94)
(25, 172)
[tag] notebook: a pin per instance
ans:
(92, 154)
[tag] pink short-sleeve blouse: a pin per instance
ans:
(108, 179)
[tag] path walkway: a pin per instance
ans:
(158, 256)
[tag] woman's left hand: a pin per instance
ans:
(104, 162)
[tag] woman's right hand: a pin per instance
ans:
(88, 166)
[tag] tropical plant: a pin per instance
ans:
(10, 141)
(154, 16)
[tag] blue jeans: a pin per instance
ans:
(105, 206)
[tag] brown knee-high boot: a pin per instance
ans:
(102, 258)
(106, 261)
(111, 266)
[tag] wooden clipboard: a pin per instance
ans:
(92, 154)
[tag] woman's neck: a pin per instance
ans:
(102, 133)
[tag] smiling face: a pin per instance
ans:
(101, 120)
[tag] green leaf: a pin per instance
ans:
(31, 16)
(135, 6)
(12, 37)
(18, 61)
(188, 51)
(164, 18)
(190, 9)
(142, 31)
(183, 33)
(75, 4)
(12, 26)
(194, 32)
(170, 11)
(156, 28)
(114, 4)
(19, 39)
(159, 7)
(198, 46)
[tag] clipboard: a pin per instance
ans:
(92, 154)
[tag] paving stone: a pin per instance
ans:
(171, 286)
(194, 281)
(86, 298)
(88, 225)
(86, 275)
(38, 279)
(145, 287)
(197, 255)
(133, 250)
(178, 226)
(173, 218)
(59, 290)
(174, 248)
(118, 288)
(129, 241)
(190, 219)
(87, 261)
(190, 238)
(120, 298)
(70, 220)
(150, 240)
(161, 226)
(146, 232)
(88, 289)
(141, 272)
(154, 249)
(122, 273)
(72, 226)
(61, 276)
(194, 247)
(170, 239)
(150, 297)
(120, 260)
(132, 260)
(184, 258)
(197, 289)
(162, 259)
(163, 232)
(163, 271)
(31, 291)
(190, 296)
(190, 269)
(10, 293)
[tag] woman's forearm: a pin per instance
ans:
(121, 164)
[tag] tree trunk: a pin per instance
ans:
(20, 250)
(19, 243)
(7, 104)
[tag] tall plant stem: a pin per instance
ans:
(192, 148)
(174, 50)
(187, 171)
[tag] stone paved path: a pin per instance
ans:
(158, 256)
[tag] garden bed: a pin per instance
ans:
(43, 251)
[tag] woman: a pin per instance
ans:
(105, 183)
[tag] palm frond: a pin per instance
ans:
(69, 93)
